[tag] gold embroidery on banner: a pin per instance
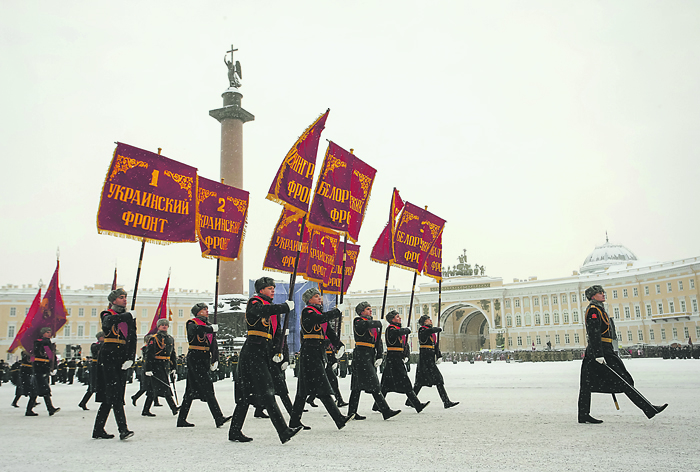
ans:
(203, 194)
(407, 217)
(125, 163)
(333, 163)
(238, 203)
(184, 181)
(365, 180)
(434, 229)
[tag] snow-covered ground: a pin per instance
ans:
(512, 417)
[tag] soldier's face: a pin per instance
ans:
(599, 297)
(120, 301)
(204, 312)
(316, 300)
(268, 291)
(163, 328)
(428, 322)
(367, 312)
(47, 334)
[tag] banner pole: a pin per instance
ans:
(410, 306)
(292, 280)
(386, 287)
(216, 285)
(439, 308)
(138, 275)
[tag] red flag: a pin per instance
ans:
(162, 310)
(383, 250)
(323, 247)
(292, 184)
(222, 211)
(433, 263)
(333, 285)
(27, 343)
(148, 196)
(284, 243)
(52, 310)
(342, 192)
(416, 233)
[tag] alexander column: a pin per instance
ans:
(232, 117)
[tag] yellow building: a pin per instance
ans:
(84, 307)
(652, 303)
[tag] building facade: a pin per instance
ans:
(84, 307)
(652, 304)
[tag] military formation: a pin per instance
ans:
(259, 371)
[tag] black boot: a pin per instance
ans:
(586, 418)
(83, 402)
(445, 399)
(287, 402)
(234, 431)
(14, 402)
(49, 406)
(384, 406)
(184, 411)
(101, 435)
(284, 432)
(332, 409)
(147, 406)
(651, 412)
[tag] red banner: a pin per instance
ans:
(323, 247)
(21, 338)
(292, 184)
(283, 246)
(416, 233)
(222, 212)
(342, 191)
(433, 264)
(162, 310)
(333, 285)
(383, 250)
(148, 196)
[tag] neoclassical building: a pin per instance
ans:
(84, 306)
(652, 303)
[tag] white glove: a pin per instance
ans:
(173, 372)
(405, 360)
(149, 373)
(378, 362)
(215, 327)
(439, 360)
(335, 369)
(53, 372)
(601, 360)
(214, 366)
(127, 364)
(290, 304)
(341, 351)
(284, 365)
(277, 358)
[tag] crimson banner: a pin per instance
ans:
(383, 250)
(148, 196)
(222, 211)
(333, 285)
(282, 249)
(292, 184)
(161, 310)
(416, 233)
(23, 338)
(323, 247)
(342, 191)
(433, 263)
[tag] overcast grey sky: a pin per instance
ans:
(532, 127)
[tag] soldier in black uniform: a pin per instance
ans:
(44, 362)
(71, 365)
(602, 369)
(16, 378)
(312, 356)
(427, 372)
(92, 382)
(160, 362)
(366, 358)
(202, 358)
(234, 366)
(116, 356)
(395, 376)
(254, 383)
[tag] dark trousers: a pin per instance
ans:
(47, 402)
(584, 398)
(269, 404)
(379, 400)
(151, 397)
(328, 403)
(187, 404)
(114, 379)
(441, 390)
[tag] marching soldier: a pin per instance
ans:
(44, 362)
(234, 366)
(92, 381)
(71, 365)
(202, 358)
(115, 357)
(395, 376)
(160, 362)
(254, 383)
(602, 369)
(366, 358)
(312, 373)
(17, 372)
(427, 372)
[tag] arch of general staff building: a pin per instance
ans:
(466, 327)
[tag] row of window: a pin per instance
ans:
(640, 336)
(545, 300)
(669, 289)
(528, 319)
(659, 309)
(538, 340)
